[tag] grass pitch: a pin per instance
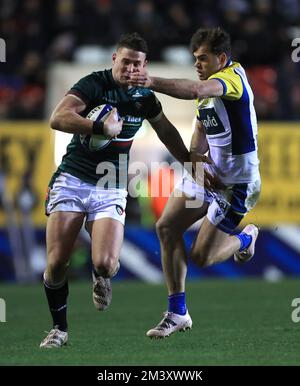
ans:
(243, 322)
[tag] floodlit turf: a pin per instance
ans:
(235, 323)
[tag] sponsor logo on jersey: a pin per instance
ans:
(131, 119)
(211, 121)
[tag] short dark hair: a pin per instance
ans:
(134, 41)
(217, 39)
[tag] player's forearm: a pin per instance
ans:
(173, 142)
(198, 142)
(71, 122)
(177, 88)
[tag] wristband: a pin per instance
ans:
(98, 128)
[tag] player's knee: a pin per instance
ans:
(57, 265)
(106, 267)
(161, 229)
(165, 231)
(57, 259)
(56, 271)
(200, 257)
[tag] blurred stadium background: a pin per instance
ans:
(52, 43)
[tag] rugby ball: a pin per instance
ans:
(99, 114)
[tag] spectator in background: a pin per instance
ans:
(261, 32)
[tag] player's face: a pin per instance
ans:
(208, 63)
(125, 62)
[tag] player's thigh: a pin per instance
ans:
(107, 237)
(178, 214)
(61, 232)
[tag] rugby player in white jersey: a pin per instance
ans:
(226, 127)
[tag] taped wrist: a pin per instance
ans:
(98, 128)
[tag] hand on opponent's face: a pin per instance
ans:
(140, 79)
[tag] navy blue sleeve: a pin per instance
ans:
(87, 88)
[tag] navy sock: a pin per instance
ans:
(177, 303)
(245, 240)
(57, 300)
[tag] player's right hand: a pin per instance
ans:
(212, 182)
(140, 79)
(113, 124)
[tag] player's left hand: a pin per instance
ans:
(202, 175)
(112, 125)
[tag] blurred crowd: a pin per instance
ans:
(39, 32)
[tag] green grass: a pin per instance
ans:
(235, 323)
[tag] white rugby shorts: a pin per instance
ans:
(227, 207)
(70, 194)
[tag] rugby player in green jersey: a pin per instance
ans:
(226, 127)
(77, 192)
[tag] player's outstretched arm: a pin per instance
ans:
(178, 88)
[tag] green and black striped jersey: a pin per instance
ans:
(133, 104)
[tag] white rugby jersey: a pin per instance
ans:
(231, 127)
